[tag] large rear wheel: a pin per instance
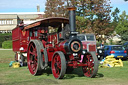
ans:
(58, 65)
(33, 58)
(91, 61)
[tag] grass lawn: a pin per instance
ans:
(21, 76)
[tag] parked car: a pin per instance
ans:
(118, 51)
(125, 45)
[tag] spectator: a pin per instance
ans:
(102, 45)
(21, 25)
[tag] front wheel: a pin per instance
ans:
(58, 65)
(91, 61)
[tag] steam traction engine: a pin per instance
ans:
(53, 42)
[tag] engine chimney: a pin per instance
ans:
(72, 20)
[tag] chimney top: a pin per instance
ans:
(71, 8)
(38, 8)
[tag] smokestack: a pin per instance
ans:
(72, 19)
(38, 8)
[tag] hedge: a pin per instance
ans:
(7, 44)
(5, 37)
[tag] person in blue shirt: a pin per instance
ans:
(102, 45)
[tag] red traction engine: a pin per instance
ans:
(53, 42)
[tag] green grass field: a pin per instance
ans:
(21, 76)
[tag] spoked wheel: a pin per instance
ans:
(58, 65)
(33, 58)
(91, 61)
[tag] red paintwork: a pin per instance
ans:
(16, 39)
(19, 39)
(22, 38)
(32, 64)
(56, 70)
(91, 45)
(88, 69)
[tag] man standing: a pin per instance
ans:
(102, 45)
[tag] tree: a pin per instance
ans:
(98, 15)
(50, 8)
(80, 24)
(95, 13)
(122, 27)
(54, 8)
(115, 15)
(61, 8)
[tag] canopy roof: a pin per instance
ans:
(53, 21)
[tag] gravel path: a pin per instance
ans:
(5, 49)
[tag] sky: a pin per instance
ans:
(120, 4)
(21, 5)
(31, 5)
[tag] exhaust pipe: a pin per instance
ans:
(72, 21)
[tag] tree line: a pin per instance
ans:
(92, 16)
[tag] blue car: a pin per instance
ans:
(118, 51)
